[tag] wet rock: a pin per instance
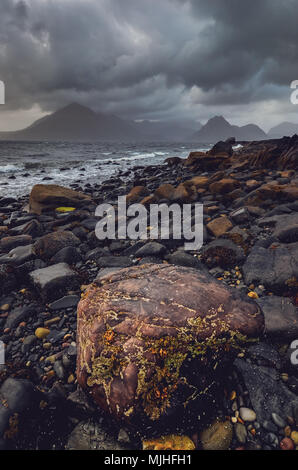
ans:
(158, 315)
(8, 279)
(219, 226)
(151, 249)
(224, 186)
(18, 315)
(54, 280)
(69, 255)
(69, 301)
(217, 437)
(247, 414)
(19, 255)
(137, 194)
(222, 252)
(241, 433)
(28, 343)
(280, 317)
(180, 258)
(185, 193)
(165, 191)
(240, 216)
(88, 435)
(267, 392)
(275, 268)
(9, 243)
(48, 245)
(223, 147)
(17, 396)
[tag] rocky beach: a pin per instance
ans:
(124, 345)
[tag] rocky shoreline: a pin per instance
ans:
(48, 257)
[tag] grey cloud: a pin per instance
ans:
(140, 58)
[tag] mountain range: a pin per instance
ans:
(218, 128)
(285, 128)
(79, 123)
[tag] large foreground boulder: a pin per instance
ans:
(152, 338)
(44, 197)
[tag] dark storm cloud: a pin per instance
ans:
(147, 58)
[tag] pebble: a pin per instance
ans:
(247, 414)
(287, 444)
(269, 426)
(241, 433)
(123, 436)
(272, 439)
(280, 422)
(52, 321)
(294, 437)
(41, 333)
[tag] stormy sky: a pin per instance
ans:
(150, 59)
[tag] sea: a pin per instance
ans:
(24, 164)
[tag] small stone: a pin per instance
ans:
(5, 307)
(241, 433)
(71, 379)
(52, 321)
(287, 431)
(219, 226)
(218, 436)
(59, 369)
(294, 437)
(169, 443)
(280, 422)
(41, 333)
(123, 437)
(247, 414)
(253, 295)
(287, 444)
(269, 426)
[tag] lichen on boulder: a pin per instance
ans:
(151, 338)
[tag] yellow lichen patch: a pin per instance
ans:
(253, 295)
(171, 442)
(65, 209)
(13, 428)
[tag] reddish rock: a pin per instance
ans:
(275, 192)
(200, 182)
(219, 226)
(44, 197)
(224, 186)
(185, 192)
(165, 191)
(201, 161)
(149, 338)
(48, 245)
(136, 194)
(287, 444)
